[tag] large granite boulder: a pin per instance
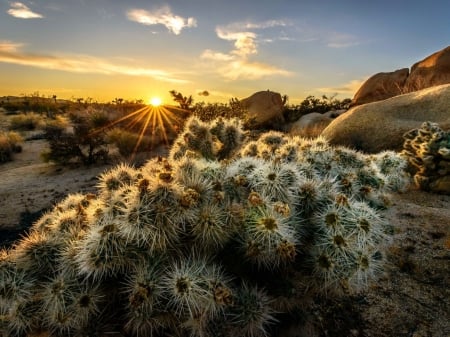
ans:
(263, 106)
(379, 126)
(431, 71)
(381, 86)
(312, 124)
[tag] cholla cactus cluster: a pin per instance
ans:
(428, 151)
(220, 239)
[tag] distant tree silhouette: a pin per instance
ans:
(118, 101)
(183, 101)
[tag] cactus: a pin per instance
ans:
(218, 239)
(428, 152)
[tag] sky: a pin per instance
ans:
(213, 50)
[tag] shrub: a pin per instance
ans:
(9, 144)
(84, 141)
(128, 143)
(210, 111)
(314, 104)
(226, 237)
(26, 122)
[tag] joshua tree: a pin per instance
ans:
(183, 101)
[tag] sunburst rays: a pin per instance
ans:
(158, 122)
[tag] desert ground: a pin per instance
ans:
(410, 299)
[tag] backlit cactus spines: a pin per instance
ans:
(269, 239)
(116, 178)
(38, 254)
(209, 241)
(103, 251)
(230, 135)
(21, 318)
(143, 289)
(393, 167)
(195, 287)
(211, 227)
(197, 138)
(217, 140)
(68, 306)
(252, 315)
(427, 150)
(278, 181)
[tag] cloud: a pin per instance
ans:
(236, 64)
(163, 16)
(203, 93)
(349, 88)
(9, 47)
(242, 69)
(11, 52)
(236, 26)
(341, 40)
(244, 42)
(216, 56)
(22, 11)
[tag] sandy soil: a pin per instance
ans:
(29, 186)
(411, 299)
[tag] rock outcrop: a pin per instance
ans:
(381, 86)
(379, 126)
(263, 106)
(431, 71)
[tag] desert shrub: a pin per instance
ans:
(9, 144)
(84, 141)
(314, 104)
(225, 237)
(210, 111)
(128, 143)
(26, 122)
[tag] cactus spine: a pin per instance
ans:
(200, 243)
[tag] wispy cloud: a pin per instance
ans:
(162, 16)
(236, 64)
(11, 52)
(340, 40)
(22, 11)
(259, 25)
(9, 47)
(348, 89)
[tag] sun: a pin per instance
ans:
(155, 101)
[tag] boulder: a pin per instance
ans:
(381, 86)
(312, 124)
(379, 126)
(334, 113)
(263, 106)
(431, 71)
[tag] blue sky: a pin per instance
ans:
(139, 49)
